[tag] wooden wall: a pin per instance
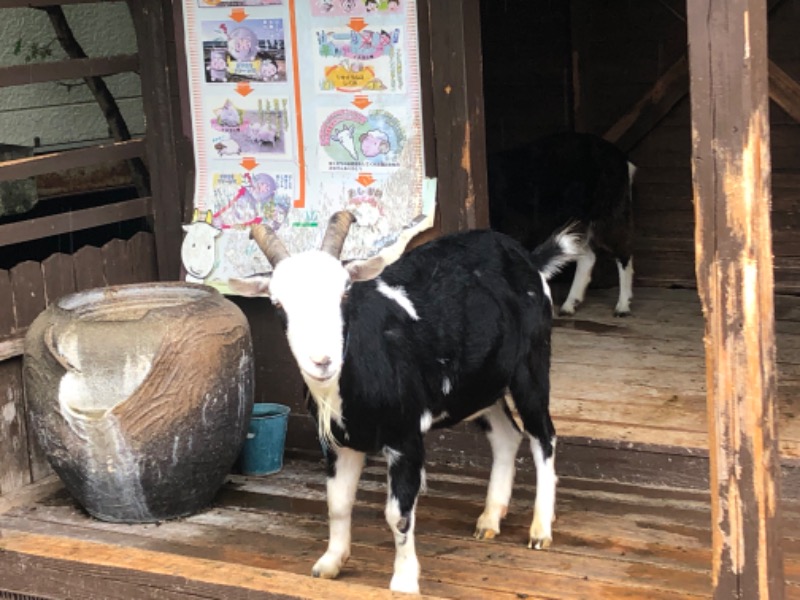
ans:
(618, 50)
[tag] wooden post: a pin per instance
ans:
(151, 22)
(731, 173)
(457, 101)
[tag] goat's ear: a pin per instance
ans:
(257, 286)
(362, 270)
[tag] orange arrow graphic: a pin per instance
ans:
(249, 163)
(238, 15)
(365, 179)
(361, 102)
(357, 24)
(243, 88)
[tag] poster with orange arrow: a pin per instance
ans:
(301, 108)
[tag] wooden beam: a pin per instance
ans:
(41, 72)
(457, 101)
(41, 227)
(666, 92)
(731, 175)
(784, 91)
(70, 159)
(153, 23)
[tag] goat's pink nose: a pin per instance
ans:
(323, 362)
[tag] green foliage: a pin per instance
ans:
(33, 50)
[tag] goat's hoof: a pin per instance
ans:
(622, 313)
(327, 567)
(485, 533)
(540, 543)
(566, 311)
(405, 584)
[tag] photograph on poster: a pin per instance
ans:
(354, 140)
(223, 3)
(244, 199)
(253, 50)
(356, 61)
(252, 126)
(339, 8)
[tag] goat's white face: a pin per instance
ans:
(309, 287)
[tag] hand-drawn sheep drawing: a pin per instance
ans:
(198, 252)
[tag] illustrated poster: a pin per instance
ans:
(301, 108)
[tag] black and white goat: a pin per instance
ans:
(457, 329)
(563, 178)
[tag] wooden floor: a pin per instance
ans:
(263, 535)
(622, 385)
(641, 379)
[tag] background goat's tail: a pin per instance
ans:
(560, 249)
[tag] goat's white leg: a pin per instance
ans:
(406, 475)
(504, 439)
(342, 484)
(583, 275)
(623, 308)
(541, 532)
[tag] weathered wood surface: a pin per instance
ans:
(14, 470)
(731, 175)
(68, 69)
(611, 541)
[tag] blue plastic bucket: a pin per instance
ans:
(263, 449)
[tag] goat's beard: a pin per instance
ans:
(329, 407)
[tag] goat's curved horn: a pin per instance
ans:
(337, 230)
(270, 244)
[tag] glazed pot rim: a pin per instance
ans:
(166, 293)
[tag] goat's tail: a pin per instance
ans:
(560, 249)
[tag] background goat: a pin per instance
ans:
(568, 177)
(456, 329)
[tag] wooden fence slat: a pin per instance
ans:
(59, 278)
(27, 291)
(37, 3)
(71, 159)
(88, 265)
(142, 250)
(117, 262)
(14, 468)
(7, 321)
(75, 68)
(34, 229)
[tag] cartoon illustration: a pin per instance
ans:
(248, 199)
(217, 3)
(250, 126)
(217, 67)
(352, 7)
(352, 61)
(344, 137)
(374, 142)
(352, 140)
(198, 252)
(253, 50)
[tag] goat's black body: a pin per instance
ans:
(484, 326)
(567, 177)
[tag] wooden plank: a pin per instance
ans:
(68, 69)
(41, 227)
(71, 159)
(7, 319)
(141, 249)
(159, 95)
(458, 114)
(117, 263)
(39, 3)
(14, 469)
(31, 494)
(49, 565)
(12, 346)
(59, 276)
(728, 50)
(27, 287)
(88, 265)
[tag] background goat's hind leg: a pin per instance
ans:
(504, 439)
(406, 474)
(583, 275)
(344, 471)
(530, 391)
